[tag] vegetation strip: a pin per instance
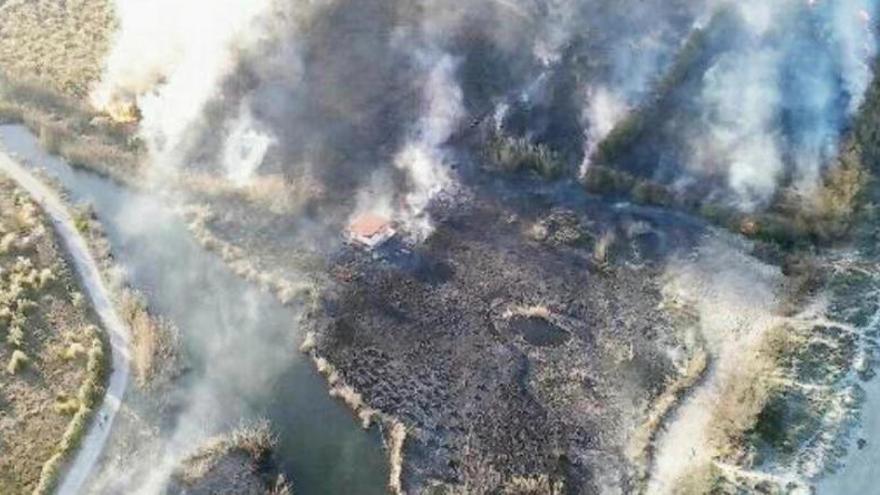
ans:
(94, 440)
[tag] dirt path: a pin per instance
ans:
(93, 442)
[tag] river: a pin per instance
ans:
(241, 342)
(243, 345)
(859, 475)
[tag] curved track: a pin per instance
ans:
(84, 263)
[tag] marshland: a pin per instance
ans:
(518, 246)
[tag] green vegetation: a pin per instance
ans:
(602, 179)
(771, 405)
(88, 397)
(71, 129)
(518, 154)
(627, 133)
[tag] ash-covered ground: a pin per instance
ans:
(522, 344)
(515, 347)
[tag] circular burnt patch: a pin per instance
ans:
(539, 331)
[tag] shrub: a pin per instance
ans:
(67, 406)
(46, 278)
(74, 351)
(154, 344)
(50, 138)
(652, 193)
(90, 392)
(518, 154)
(15, 337)
(18, 361)
(256, 440)
(606, 180)
(49, 474)
(541, 484)
(9, 113)
(92, 388)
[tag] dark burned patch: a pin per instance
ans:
(500, 344)
(648, 246)
(539, 331)
(425, 269)
(343, 331)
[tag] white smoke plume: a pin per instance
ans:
(170, 58)
(246, 146)
(742, 105)
(367, 93)
(422, 157)
(776, 103)
(642, 46)
(736, 298)
(604, 110)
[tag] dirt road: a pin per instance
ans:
(93, 442)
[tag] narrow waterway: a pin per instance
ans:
(241, 341)
(859, 474)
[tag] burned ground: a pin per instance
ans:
(448, 338)
(239, 462)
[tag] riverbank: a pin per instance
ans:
(89, 447)
(241, 349)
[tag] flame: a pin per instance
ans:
(123, 111)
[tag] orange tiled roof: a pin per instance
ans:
(369, 225)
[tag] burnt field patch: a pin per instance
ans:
(511, 357)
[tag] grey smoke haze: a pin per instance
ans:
(760, 100)
(774, 104)
(365, 95)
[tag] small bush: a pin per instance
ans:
(541, 484)
(15, 337)
(46, 278)
(517, 154)
(67, 406)
(18, 361)
(74, 351)
(651, 193)
(88, 396)
(606, 180)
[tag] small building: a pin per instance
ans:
(370, 230)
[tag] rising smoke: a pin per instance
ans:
(369, 97)
(365, 96)
(774, 104)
